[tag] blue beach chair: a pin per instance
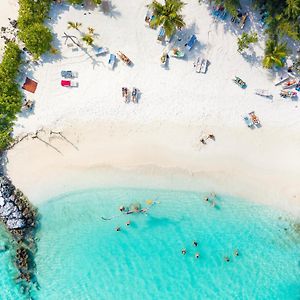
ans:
(161, 34)
(190, 44)
(112, 61)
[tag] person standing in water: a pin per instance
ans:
(183, 251)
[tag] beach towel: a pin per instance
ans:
(30, 85)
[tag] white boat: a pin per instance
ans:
(264, 93)
(281, 80)
(289, 84)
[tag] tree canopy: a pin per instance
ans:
(168, 15)
(10, 95)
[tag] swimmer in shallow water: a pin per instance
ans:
(236, 252)
(226, 258)
(197, 255)
(195, 243)
(183, 251)
(128, 223)
(118, 228)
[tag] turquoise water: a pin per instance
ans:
(81, 256)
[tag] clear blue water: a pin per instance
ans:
(81, 256)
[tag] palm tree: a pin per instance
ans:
(167, 15)
(74, 25)
(91, 30)
(293, 9)
(88, 39)
(274, 54)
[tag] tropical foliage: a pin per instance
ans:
(275, 54)
(74, 25)
(245, 40)
(32, 31)
(37, 39)
(97, 2)
(168, 15)
(10, 95)
(88, 39)
(230, 5)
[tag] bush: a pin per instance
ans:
(32, 31)
(37, 39)
(75, 1)
(10, 95)
(245, 40)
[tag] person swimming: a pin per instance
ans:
(197, 255)
(128, 223)
(118, 228)
(226, 258)
(183, 251)
(236, 252)
(195, 243)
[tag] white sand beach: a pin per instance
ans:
(156, 143)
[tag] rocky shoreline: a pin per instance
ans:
(20, 219)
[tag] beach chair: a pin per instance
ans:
(112, 61)
(67, 74)
(134, 95)
(164, 59)
(254, 119)
(126, 94)
(263, 93)
(248, 121)
(101, 50)
(189, 45)
(289, 84)
(161, 34)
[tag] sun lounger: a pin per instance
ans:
(161, 34)
(263, 93)
(68, 74)
(219, 12)
(134, 95)
(126, 94)
(101, 50)
(248, 121)
(189, 45)
(254, 119)
(124, 58)
(201, 65)
(112, 61)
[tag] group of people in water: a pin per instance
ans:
(211, 198)
(197, 254)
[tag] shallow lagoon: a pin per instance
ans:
(81, 256)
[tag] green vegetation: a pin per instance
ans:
(230, 5)
(245, 40)
(74, 25)
(275, 54)
(37, 39)
(32, 31)
(283, 20)
(97, 2)
(10, 95)
(88, 39)
(168, 15)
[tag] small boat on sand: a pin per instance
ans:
(288, 94)
(240, 82)
(263, 93)
(176, 52)
(164, 59)
(289, 84)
